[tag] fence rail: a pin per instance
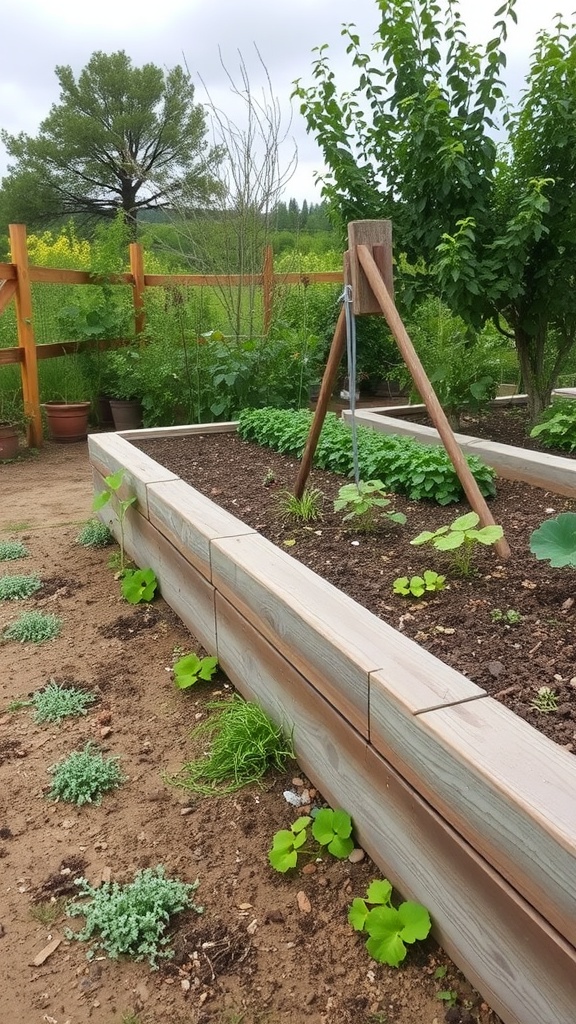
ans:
(17, 277)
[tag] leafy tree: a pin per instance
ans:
(121, 138)
(493, 226)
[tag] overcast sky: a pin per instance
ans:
(37, 35)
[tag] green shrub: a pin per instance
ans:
(94, 534)
(84, 777)
(403, 465)
(558, 427)
(18, 588)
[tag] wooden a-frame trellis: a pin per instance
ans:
(368, 269)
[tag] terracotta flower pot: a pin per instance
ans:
(126, 413)
(67, 421)
(9, 441)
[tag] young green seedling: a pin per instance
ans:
(461, 538)
(287, 843)
(189, 669)
(545, 701)
(417, 586)
(138, 585)
(330, 829)
(364, 501)
(110, 494)
(388, 928)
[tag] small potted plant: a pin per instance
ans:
(12, 420)
(122, 385)
(66, 409)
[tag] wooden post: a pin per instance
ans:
(427, 392)
(268, 288)
(377, 235)
(137, 271)
(337, 350)
(26, 340)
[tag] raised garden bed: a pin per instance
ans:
(467, 808)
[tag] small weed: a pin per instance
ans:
(18, 588)
(129, 1017)
(449, 996)
(12, 549)
(365, 502)
(509, 618)
(269, 478)
(84, 777)
(94, 534)
(546, 701)
(49, 912)
(131, 918)
(244, 745)
(33, 627)
(55, 702)
(18, 704)
(417, 586)
(190, 668)
(307, 509)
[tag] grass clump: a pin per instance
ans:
(84, 777)
(94, 534)
(12, 549)
(132, 918)
(244, 744)
(33, 627)
(307, 509)
(18, 588)
(55, 702)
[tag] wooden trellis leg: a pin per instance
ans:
(427, 392)
(26, 340)
(337, 350)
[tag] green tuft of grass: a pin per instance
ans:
(95, 534)
(244, 745)
(18, 587)
(84, 777)
(307, 509)
(33, 627)
(132, 918)
(48, 912)
(55, 702)
(12, 549)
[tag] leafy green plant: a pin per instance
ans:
(190, 668)
(417, 586)
(388, 928)
(331, 829)
(138, 585)
(83, 777)
(131, 918)
(244, 745)
(365, 500)
(94, 534)
(555, 540)
(12, 549)
(18, 588)
(33, 627)
(509, 618)
(558, 429)
(461, 538)
(403, 465)
(307, 509)
(55, 702)
(448, 996)
(545, 701)
(121, 505)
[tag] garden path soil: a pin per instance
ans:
(511, 660)
(260, 957)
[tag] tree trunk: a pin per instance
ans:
(537, 382)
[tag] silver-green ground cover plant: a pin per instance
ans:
(83, 777)
(33, 627)
(131, 919)
(18, 587)
(12, 549)
(94, 534)
(55, 702)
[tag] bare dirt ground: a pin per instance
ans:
(256, 955)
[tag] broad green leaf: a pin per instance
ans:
(423, 537)
(555, 540)
(357, 914)
(282, 861)
(400, 586)
(489, 534)
(114, 481)
(467, 522)
(323, 827)
(300, 839)
(301, 823)
(450, 541)
(207, 668)
(101, 499)
(342, 824)
(415, 919)
(138, 585)
(379, 891)
(385, 945)
(340, 848)
(283, 840)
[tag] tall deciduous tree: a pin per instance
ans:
(415, 140)
(121, 138)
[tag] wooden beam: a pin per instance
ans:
(58, 275)
(7, 272)
(337, 350)
(137, 270)
(425, 389)
(201, 280)
(26, 340)
(7, 292)
(375, 235)
(11, 355)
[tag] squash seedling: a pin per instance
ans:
(190, 668)
(331, 829)
(364, 502)
(461, 538)
(121, 505)
(138, 585)
(388, 928)
(417, 586)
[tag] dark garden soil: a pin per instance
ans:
(467, 624)
(268, 949)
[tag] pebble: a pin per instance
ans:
(309, 869)
(303, 903)
(105, 731)
(356, 855)
(297, 782)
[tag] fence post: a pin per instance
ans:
(26, 340)
(268, 287)
(137, 271)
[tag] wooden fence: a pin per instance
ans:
(17, 278)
